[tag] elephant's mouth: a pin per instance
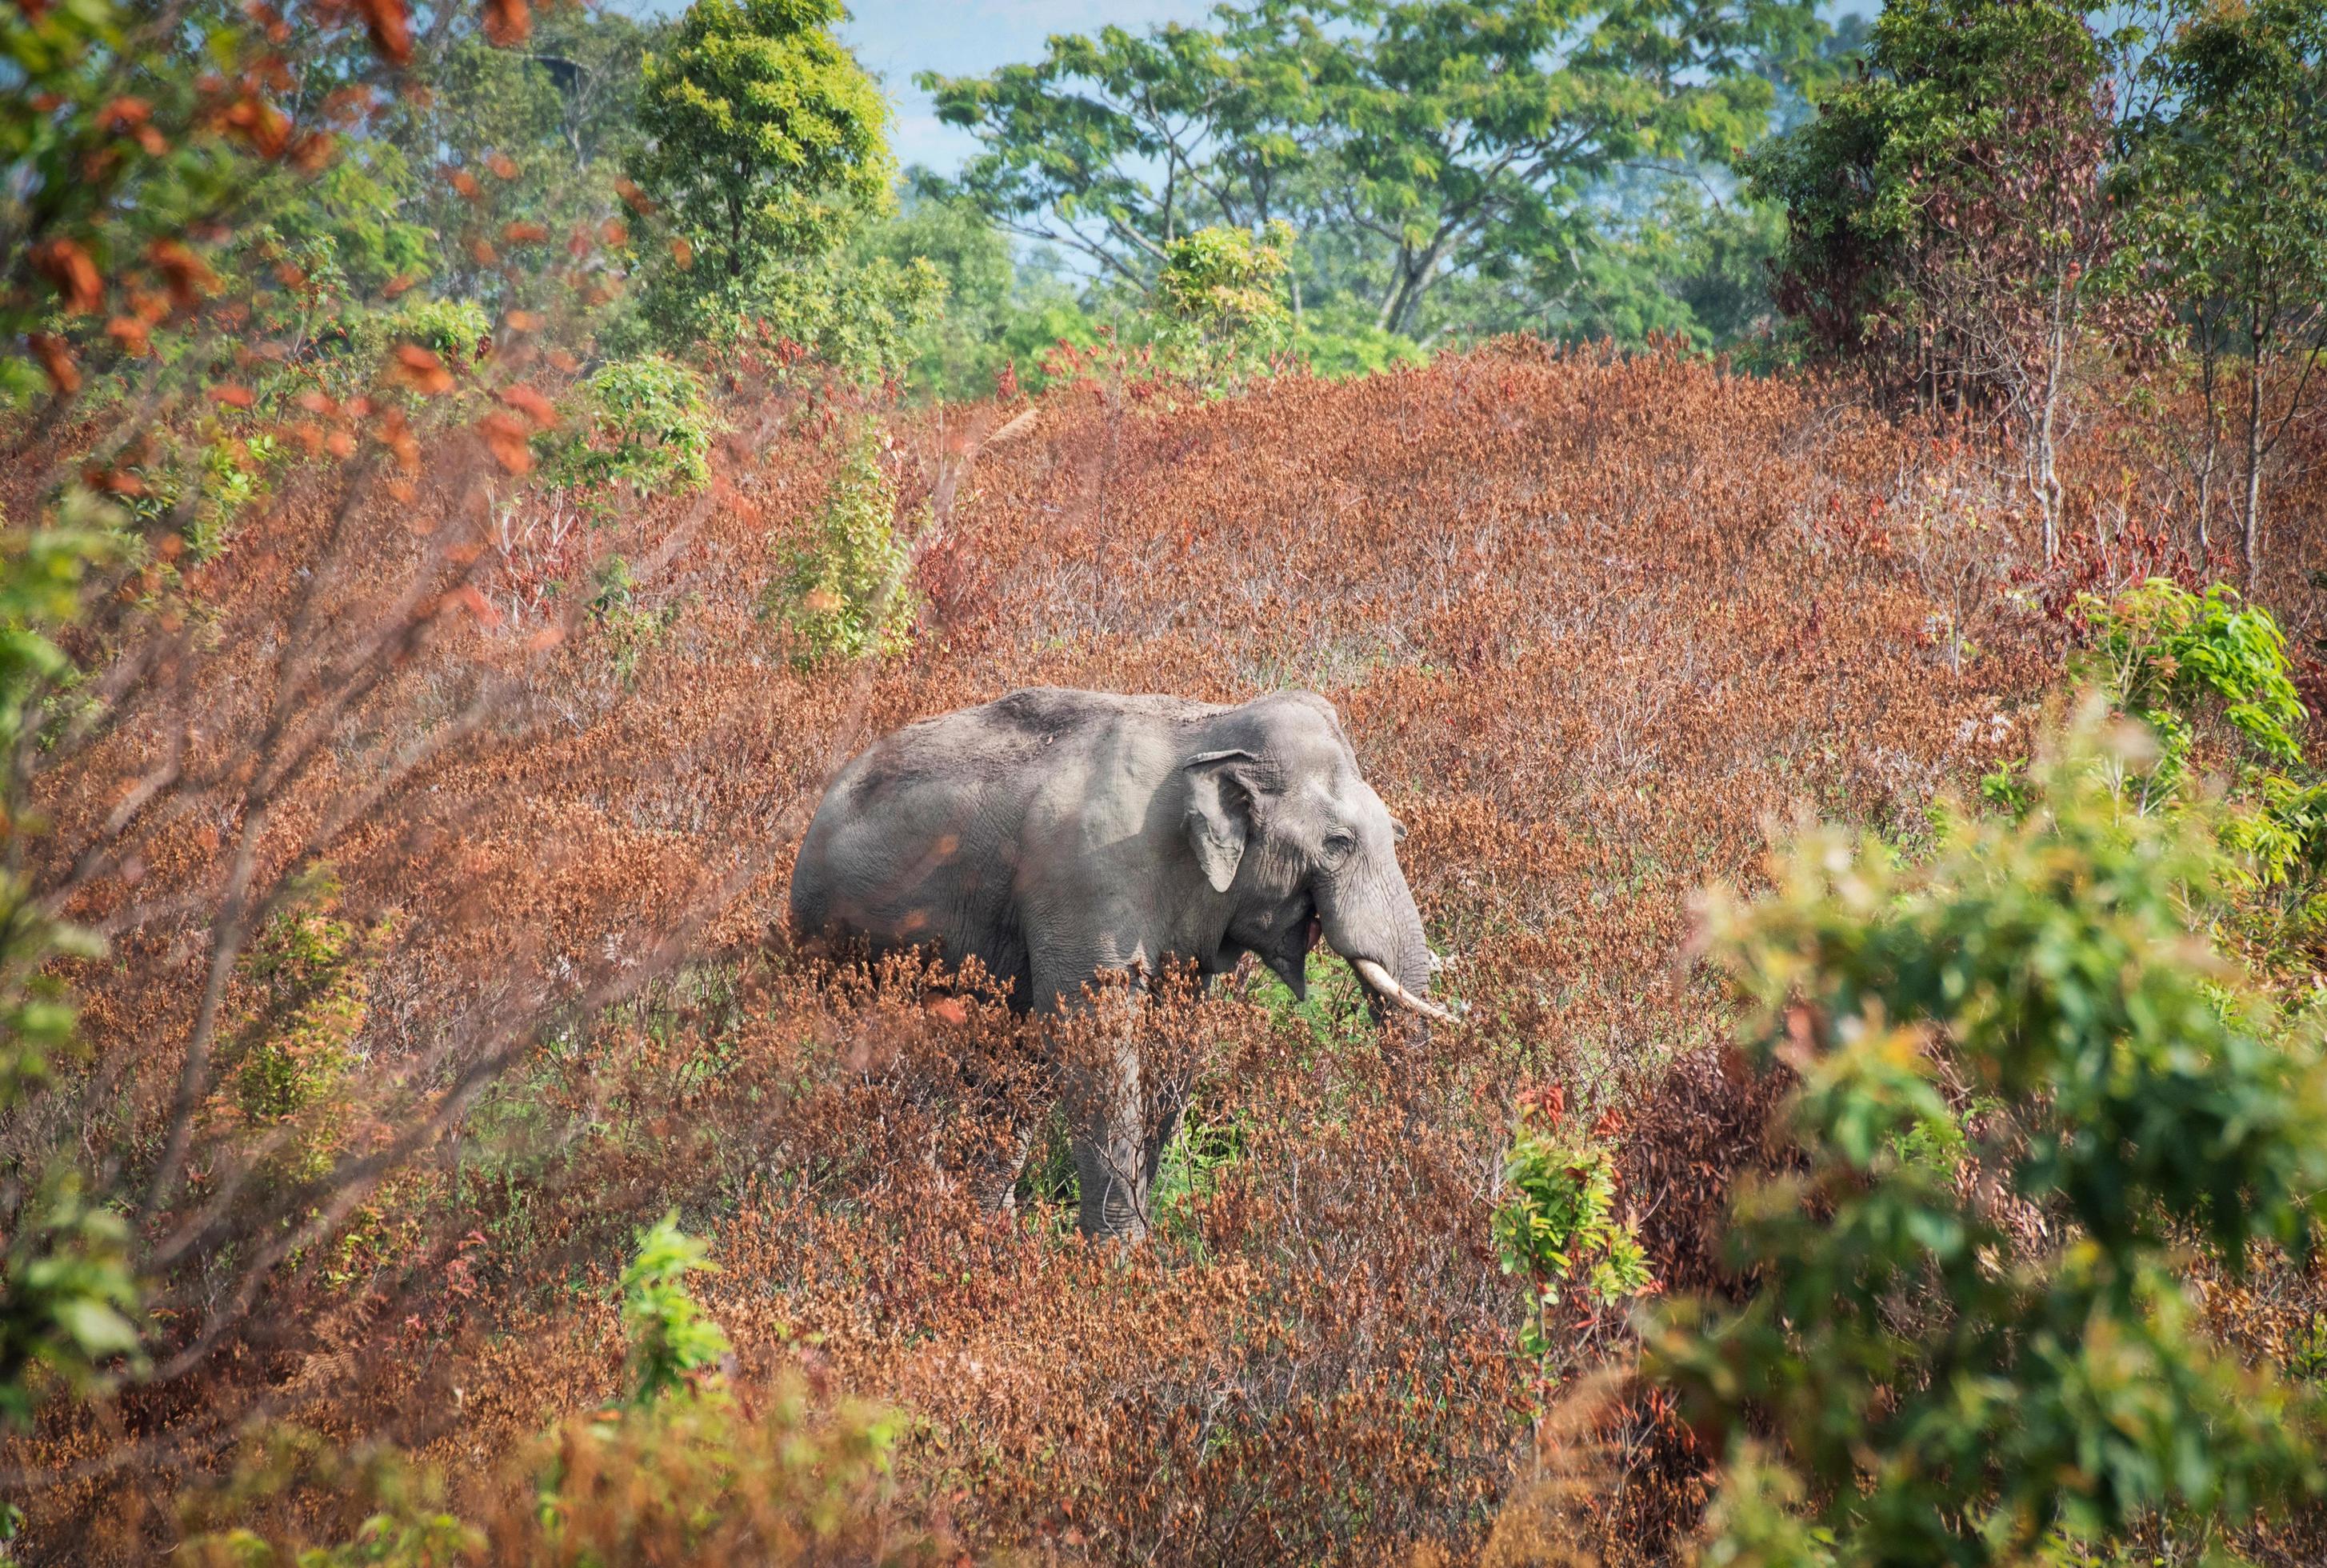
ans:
(1291, 963)
(1290, 958)
(1384, 985)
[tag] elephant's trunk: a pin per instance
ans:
(1371, 921)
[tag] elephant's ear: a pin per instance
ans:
(1220, 813)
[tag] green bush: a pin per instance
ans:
(68, 1298)
(1216, 294)
(2161, 649)
(846, 595)
(632, 631)
(2180, 661)
(1557, 1223)
(307, 978)
(1961, 1359)
(646, 424)
(454, 329)
(671, 1341)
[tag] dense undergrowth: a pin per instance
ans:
(1595, 626)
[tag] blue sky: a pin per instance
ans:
(896, 38)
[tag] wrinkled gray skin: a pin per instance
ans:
(1054, 832)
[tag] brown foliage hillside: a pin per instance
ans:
(1593, 625)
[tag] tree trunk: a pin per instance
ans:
(2048, 477)
(1388, 312)
(2209, 393)
(2251, 521)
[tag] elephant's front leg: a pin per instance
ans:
(1110, 1141)
(1106, 1110)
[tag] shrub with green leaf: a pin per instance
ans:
(68, 1313)
(644, 424)
(1217, 294)
(1557, 1223)
(2161, 649)
(1959, 1359)
(454, 329)
(308, 981)
(68, 1299)
(633, 630)
(846, 595)
(2183, 663)
(671, 1340)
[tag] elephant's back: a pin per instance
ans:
(998, 743)
(942, 799)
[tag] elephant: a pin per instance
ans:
(1053, 834)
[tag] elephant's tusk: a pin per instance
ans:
(1380, 979)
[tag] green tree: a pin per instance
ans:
(1656, 255)
(1948, 222)
(1217, 296)
(2027, 1093)
(1003, 314)
(1405, 144)
(765, 149)
(2228, 188)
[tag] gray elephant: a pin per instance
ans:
(1052, 833)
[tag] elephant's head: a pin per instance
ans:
(1304, 849)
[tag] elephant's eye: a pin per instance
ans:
(1338, 844)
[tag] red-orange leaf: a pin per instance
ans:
(390, 25)
(421, 370)
(508, 22)
(57, 362)
(505, 438)
(130, 333)
(469, 597)
(531, 403)
(67, 265)
(183, 273)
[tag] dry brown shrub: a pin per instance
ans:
(1592, 623)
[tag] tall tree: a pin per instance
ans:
(2230, 185)
(1949, 218)
(1430, 137)
(766, 146)
(1475, 129)
(1116, 145)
